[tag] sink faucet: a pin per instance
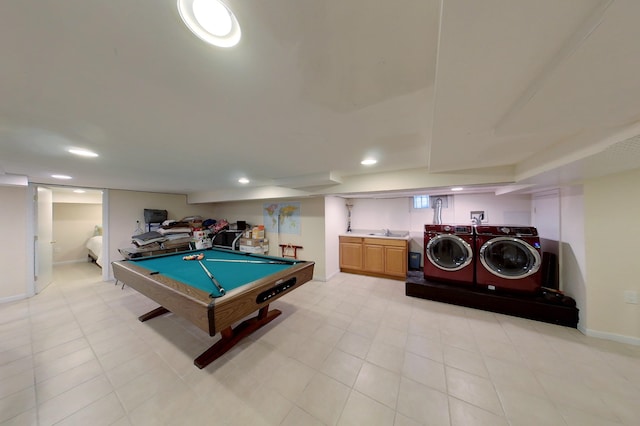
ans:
(386, 232)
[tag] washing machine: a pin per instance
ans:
(508, 258)
(448, 253)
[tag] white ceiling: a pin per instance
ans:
(448, 92)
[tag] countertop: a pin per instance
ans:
(393, 235)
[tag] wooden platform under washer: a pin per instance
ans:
(533, 307)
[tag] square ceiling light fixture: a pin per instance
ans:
(211, 21)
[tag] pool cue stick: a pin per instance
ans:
(213, 279)
(248, 261)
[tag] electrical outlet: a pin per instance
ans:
(631, 297)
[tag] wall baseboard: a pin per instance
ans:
(328, 278)
(66, 262)
(612, 336)
(13, 298)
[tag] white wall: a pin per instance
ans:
(546, 219)
(398, 213)
(506, 209)
(573, 264)
(336, 214)
(127, 207)
(13, 250)
(377, 214)
(312, 228)
(612, 235)
(73, 225)
(64, 195)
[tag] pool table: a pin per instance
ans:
(189, 288)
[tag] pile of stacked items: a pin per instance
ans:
(216, 226)
(176, 233)
(173, 234)
(151, 240)
(205, 231)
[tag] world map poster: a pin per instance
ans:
(283, 218)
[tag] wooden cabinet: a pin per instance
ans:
(383, 257)
(396, 261)
(373, 257)
(351, 253)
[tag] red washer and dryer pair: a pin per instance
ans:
(492, 257)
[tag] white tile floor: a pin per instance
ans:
(352, 351)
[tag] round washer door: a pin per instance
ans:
(449, 252)
(510, 258)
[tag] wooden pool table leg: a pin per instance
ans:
(231, 336)
(161, 310)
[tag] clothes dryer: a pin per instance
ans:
(448, 253)
(508, 258)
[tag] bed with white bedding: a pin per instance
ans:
(94, 247)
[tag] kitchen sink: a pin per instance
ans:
(389, 235)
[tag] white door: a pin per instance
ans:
(43, 238)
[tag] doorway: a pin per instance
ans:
(65, 221)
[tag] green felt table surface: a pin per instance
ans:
(230, 275)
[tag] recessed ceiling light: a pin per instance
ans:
(457, 188)
(79, 191)
(83, 152)
(64, 177)
(368, 162)
(243, 181)
(211, 21)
